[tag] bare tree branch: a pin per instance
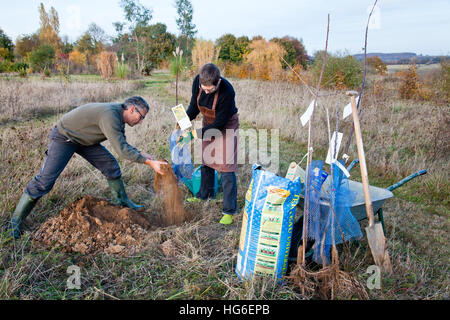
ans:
(310, 151)
(349, 139)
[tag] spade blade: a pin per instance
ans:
(377, 243)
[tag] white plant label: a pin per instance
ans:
(348, 109)
(308, 113)
(181, 117)
(336, 139)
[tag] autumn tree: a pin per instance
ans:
(49, 28)
(158, 45)
(78, 60)
(377, 65)
(107, 64)
(295, 51)
(410, 87)
(232, 49)
(185, 13)
(264, 59)
(91, 43)
(26, 44)
(6, 47)
(137, 18)
(204, 52)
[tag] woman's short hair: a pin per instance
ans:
(209, 75)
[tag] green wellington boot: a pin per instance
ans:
(120, 196)
(23, 209)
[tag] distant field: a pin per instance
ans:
(421, 68)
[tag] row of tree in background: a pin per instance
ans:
(140, 47)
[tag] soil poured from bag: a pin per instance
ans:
(166, 186)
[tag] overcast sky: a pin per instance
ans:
(418, 26)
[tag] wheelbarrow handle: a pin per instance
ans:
(352, 164)
(402, 182)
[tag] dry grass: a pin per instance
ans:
(196, 260)
(32, 98)
(400, 136)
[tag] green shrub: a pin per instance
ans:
(182, 66)
(341, 72)
(147, 68)
(21, 68)
(18, 66)
(122, 71)
(47, 72)
(43, 58)
(6, 66)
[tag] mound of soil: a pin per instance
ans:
(92, 225)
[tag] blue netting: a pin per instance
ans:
(181, 158)
(330, 220)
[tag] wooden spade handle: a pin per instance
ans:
(362, 159)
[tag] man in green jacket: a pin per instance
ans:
(81, 131)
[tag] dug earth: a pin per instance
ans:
(92, 225)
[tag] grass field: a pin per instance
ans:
(400, 137)
(421, 68)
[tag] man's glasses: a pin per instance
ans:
(140, 114)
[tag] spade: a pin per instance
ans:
(374, 231)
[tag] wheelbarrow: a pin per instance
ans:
(358, 208)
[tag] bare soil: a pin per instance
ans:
(91, 225)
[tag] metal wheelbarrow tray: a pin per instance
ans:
(378, 196)
(358, 208)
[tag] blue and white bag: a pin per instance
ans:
(267, 223)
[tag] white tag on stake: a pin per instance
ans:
(330, 155)
(348, 109)
(308, 113)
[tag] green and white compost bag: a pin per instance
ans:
(267, 224)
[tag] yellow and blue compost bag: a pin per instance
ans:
(267, 224)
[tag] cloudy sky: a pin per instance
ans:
(418, 26)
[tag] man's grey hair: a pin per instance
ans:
(136, 101)
(209, 75)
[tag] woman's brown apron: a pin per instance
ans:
(228, 161)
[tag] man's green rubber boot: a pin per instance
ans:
(226, 219)
(23, 209)
(120, 196)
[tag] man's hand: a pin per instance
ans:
(156, 165)
(147, 156)
(186, 138)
